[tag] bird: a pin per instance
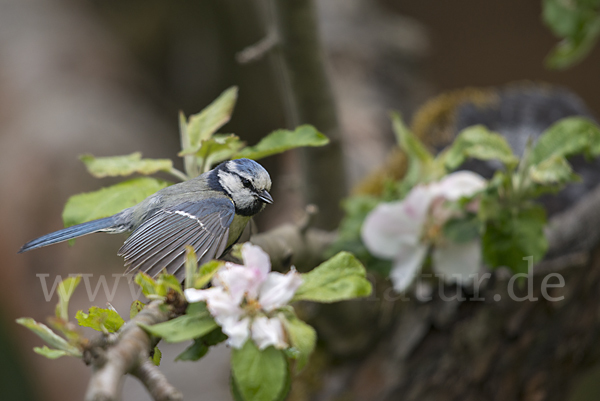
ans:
(209, 213)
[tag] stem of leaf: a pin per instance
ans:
(179, 174)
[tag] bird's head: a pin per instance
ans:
(247, 183)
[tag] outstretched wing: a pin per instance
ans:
(159, 242)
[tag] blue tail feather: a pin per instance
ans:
(69, 233)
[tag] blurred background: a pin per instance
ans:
(109, 77)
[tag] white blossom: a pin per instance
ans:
(244, 299)
(404, 231)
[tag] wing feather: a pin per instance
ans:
(159, 242)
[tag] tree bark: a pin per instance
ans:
(506, 341)
(310, 101)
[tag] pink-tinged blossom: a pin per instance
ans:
(404, 231)
(244, 299)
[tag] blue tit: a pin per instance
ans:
(208, 212)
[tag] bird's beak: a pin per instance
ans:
(265, 196)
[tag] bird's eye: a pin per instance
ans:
(246, 182)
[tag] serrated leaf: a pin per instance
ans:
(65, 290)
(302, 337)
(156, 356)
(110, 200)
(206, 273)
(135, 308)
(166, 282)
(203, 125)
(259, 375)
(554, 170)
(100, 319)
(281, 140)
(124, 165)
(566, 137)
(510, 237)
(340, 278)
(50, 353)
(195, 323)
(462, 230)
(214, 150)
(478, 142)
(419, 158)
(51, 338)
(147, 283)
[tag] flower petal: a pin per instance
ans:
(459, 184)
(406, 265)
(221, 305)
(277, 289)
(255, 258)
(238, 331)
(235, 279)
(390, 225)
(194, 295)
(458, 263)
(266, 332)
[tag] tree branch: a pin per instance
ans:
(115, 355)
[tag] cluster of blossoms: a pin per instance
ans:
(404, 231)
(245, 300)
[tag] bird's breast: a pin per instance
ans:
(236, 228)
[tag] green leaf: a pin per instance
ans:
(302, 337)
(569, 52)
(419, 158)
(156, 356)
(50, 353)
(147, 283)
(201, 345)
(566, 137)
(110, 200)
(577, 22)
(340, 278)
(259, 375)
(214, 150)
(69, 330)
(166, 282)
(554, 170)
(135, 308)
(100, 319)
(281, 140)
(195, 323)
(49, 336)
(206, 273)
(203, 125)
(479, 143)
(65, 290)
(462, 230)
(514, 235)
(124, 165)
(191, 266)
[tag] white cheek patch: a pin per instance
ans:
(242, 196)
(230, 182)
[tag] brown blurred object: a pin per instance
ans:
(65, 89)
(376, 66)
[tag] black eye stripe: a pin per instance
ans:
(246, 182)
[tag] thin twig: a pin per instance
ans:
(258, 50)
(179, 174)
